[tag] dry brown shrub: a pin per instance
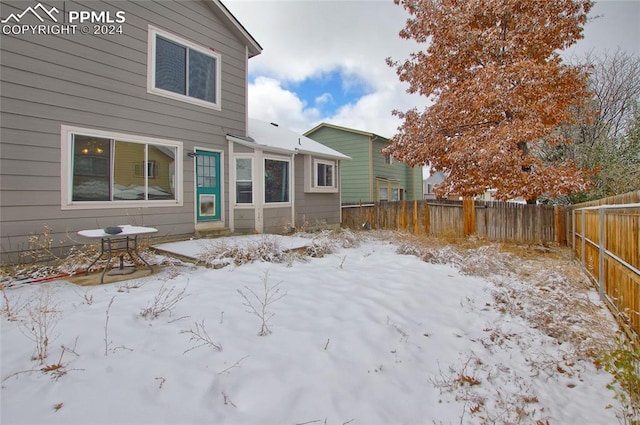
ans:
(540, 283)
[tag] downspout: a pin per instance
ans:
(293, 189)
(339, 183)
(371, 181)
(232, 188)
(246, 90)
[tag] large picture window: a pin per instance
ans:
(276, 181)
(183, 70)
(100, 170)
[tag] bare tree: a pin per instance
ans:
(615, 83)
(605, 140)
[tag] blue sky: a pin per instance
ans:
(329, 90)
(324, 61)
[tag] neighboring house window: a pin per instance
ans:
(320, 175)
(388, 159)
(276, 181)
(100, 169)
(244, 181)
(389, 190)
(183, 70)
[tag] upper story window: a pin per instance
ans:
(180, 69)
(102, 170)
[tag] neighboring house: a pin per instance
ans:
(281, 180)
(431, 182)
(370, 176)
(435, 179)
(123, 120)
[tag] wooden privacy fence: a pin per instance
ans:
(605, 237)
(498, 221)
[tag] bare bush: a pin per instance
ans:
(266, 249)
(201, 337)
(321, 245)
(260, 307)
(164, 301)
(10, 308)
(40, 320)
(107, 343)
(59, 369)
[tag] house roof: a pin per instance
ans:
(275, 138)
(253, 46)
(350, 130)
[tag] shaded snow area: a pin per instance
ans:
(377, 328)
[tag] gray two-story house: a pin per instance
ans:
(117, 112)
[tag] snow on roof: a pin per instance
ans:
(275, 137)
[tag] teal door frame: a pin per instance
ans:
(208, 186)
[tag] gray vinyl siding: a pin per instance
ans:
(100, 83)
(276, 219)
(355, 184)
(244, 220)
(314, 209)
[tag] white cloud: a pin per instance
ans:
(324, 99)
(308, 38)
(269, 101)
(305, 39)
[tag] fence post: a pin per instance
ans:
(584, 240)
(426, 218)
(469, 213)
(403, 212)
(415, 216)
(557, 225)
(573, 230)
(601, 254)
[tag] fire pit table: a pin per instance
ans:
(123, 242)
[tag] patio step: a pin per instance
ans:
(212, 233)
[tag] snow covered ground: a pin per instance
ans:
(363, 335)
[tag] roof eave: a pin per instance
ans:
(252, 143)
(253, 46)
(349, 130)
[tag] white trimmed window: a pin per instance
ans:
(320, 176)
(244, 180)
(103, 170)
(277, 181)
(180, 69)
(389, 190)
